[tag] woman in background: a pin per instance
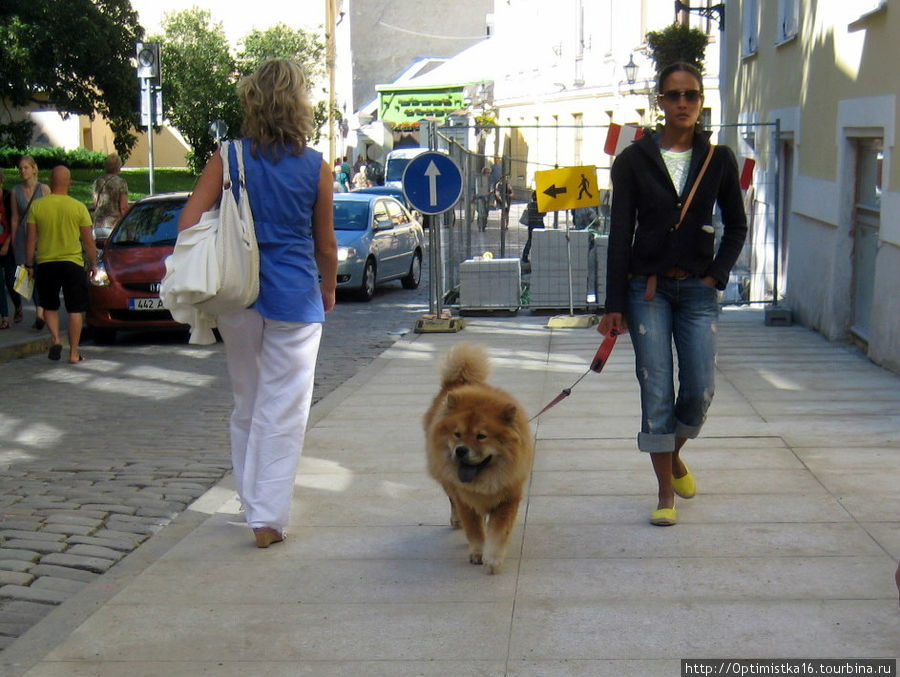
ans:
(110, 197)
(271, 347)
(7, 261)
(23, 194)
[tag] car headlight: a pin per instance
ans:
(100, 278)
(345, 253)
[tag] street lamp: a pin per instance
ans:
(631, 70)
(708, 12)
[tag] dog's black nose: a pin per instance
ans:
(461, 452)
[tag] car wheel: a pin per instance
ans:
(367, 286)
(103, 336)
(411, 281)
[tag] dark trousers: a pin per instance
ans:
(8, 269)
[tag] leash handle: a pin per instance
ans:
(602, 354)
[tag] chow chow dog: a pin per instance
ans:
(479, 449)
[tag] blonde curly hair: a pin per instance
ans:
(277, 111)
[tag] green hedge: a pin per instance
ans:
(47, 158)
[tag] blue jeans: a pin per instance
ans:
(683, 311)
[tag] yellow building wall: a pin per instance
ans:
(834, 57)
(169, 149)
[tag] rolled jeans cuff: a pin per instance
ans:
(656, 443)
(664, 443)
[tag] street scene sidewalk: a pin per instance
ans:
(788, 549)
(22, 339)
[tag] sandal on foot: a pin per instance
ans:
(18, 316)
(664, 517)
(4, 323)
(266, 536)
(685, 486)
(55, 351)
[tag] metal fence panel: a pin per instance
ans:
(510, 155)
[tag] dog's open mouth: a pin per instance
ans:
(468, 471)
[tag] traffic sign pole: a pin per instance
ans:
(432, 184)
(149, 73)
(560, 189)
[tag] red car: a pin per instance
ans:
(125, 293)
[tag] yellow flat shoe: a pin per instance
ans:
(686, 486)
(664, 517)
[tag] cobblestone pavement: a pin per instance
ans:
(97, 457)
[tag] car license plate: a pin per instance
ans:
(146, 304)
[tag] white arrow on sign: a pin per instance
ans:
(432, 173)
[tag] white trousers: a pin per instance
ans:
(271, 365)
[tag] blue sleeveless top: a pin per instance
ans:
(282, 196)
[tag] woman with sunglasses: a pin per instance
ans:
(664, 270)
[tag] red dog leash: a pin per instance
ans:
(597, 364)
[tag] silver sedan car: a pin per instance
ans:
(378, 241)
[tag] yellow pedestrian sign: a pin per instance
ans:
(567, 188)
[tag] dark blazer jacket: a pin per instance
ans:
(646, 207)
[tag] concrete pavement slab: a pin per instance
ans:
(589, 629)
(788, 549)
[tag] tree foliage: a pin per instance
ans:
(677, 42)
(197, 80)
(74, 54)
(283, 42)
(199, 75)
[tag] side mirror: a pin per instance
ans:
(101, 242)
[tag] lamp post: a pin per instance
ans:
(330, 57)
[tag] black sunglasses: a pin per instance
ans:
(674, 95)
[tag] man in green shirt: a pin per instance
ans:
(59, 230)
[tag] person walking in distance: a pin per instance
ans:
(23, 195)
(110, 194)
(532, 218)
(663, 272)
(7, 260)
(271, 347)
(60, 232)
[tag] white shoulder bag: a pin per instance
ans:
(214, 268)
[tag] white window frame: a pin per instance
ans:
(750, 28)
(788, 20)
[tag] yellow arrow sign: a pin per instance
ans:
(567, 188)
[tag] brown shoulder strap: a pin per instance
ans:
(690, 197)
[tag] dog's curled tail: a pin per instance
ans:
(465, 363)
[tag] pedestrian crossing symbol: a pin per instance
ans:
(567, 188)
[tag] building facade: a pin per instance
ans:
(823, 72)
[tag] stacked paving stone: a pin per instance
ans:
(63, 525)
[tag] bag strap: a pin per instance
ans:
(37, 189)
(243, 193)
(239, 152)
(690, 197)
(226, 171)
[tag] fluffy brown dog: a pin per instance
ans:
(480, 450)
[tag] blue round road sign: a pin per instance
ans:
(432, 182)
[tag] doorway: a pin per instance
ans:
(865, 224)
